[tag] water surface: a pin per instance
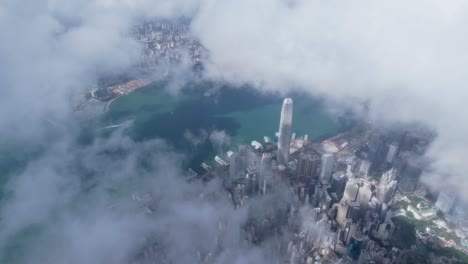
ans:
(243, 113)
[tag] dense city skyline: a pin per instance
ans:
(398, 68)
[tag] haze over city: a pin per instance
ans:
(279, 131)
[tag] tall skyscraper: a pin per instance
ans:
(377, 150)
(233, 166)
(365, 167)
(285, 132)
(243, 157)
(328, 161)
(238, 163)
(351, 190)
(409, 177)
(307, 166)
(338, 184)
(392, 152)
(266, 172)
(386, 192)
(388, 177)
(387, 186)
(364, 195)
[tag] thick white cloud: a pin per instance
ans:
(78, 198)
(408, 59)
(53, 51)
(220, 140)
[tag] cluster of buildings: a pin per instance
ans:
(114, 91)
(350, 181)
(163, 42)
(166, 42)
(323, 202)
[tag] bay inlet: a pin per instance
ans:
(188, 118)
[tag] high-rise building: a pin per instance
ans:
(354, 212)
(350, 166)
(266, 172)
(392, 151)
(365, 167)
(342, 213)
(364, 195)
(338, 184)
(238, 163)
(285, 132)
(388, 177)
(243, 158)
(233, 166)
(409, 177)
(280, 172)
(385, 192)
(350, 230)
(383, 212)
(446, 201)
(328, 160)
(377, 151)
(356, 245)
(351, 190)
(307, 167)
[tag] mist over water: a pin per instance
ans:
(65, 190)
(48, 186)
(244, 114)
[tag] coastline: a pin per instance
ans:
(107, 106)
(125, 89)
(215, 115)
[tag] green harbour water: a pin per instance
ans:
(264, 120)
(244, 114)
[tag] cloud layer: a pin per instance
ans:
(119, 201)
(407, 60)
(54, 51)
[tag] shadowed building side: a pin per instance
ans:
(266, 172)
(328, 160)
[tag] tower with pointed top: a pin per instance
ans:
(285, 132)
